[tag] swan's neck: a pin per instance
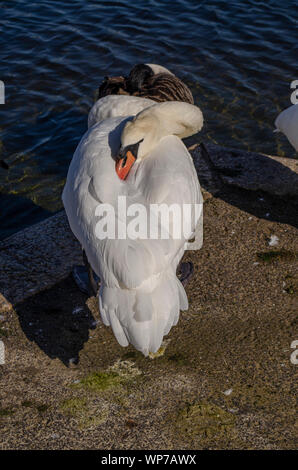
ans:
(158, 121)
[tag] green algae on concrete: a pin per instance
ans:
(73, 406)
(99, 381)
(117, 374)
(270, 256)
(204, 420)
(87, 414)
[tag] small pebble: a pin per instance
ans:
(273, 240)
(228, 392)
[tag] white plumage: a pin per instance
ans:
(287, 122)
(140, 296)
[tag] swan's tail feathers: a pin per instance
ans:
(143, 317)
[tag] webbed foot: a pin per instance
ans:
(185, 272)
(85, 278)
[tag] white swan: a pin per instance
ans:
(287, 122)
(140, 296)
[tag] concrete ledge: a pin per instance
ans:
(36, 258)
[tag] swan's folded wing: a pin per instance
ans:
(167, 181)
(169, 177)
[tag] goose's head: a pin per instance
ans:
(137, 77)
(140, 75)
(141, 135)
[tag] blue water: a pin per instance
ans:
(238, 58)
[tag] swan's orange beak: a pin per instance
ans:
(124, 164)
(126, 159)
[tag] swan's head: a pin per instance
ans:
(138, 138)
(141, 135)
